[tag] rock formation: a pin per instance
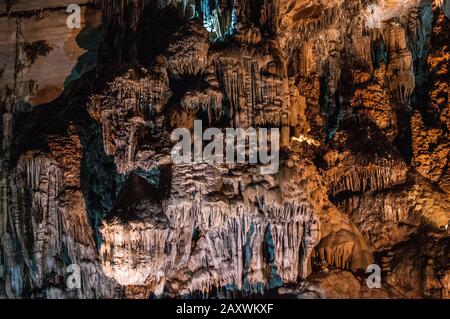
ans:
(358, 89)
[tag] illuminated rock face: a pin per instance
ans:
(359, 91)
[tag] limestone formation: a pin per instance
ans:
(357, 89)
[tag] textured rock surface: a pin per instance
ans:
(40, 55)
(359, 91)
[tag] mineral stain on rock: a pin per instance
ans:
(36, 49)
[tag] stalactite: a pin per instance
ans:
(137, 98)
(228, 232)
(220, 19)
(188, 52)
(366, 178)
(49, 225)
(209, 101)
(255, 97)
(399, 70)
(8, 121)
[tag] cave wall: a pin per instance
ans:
(358, 89)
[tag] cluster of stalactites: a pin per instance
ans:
(220, 245)
(366, 178)
(255, 98)
(219, 17)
